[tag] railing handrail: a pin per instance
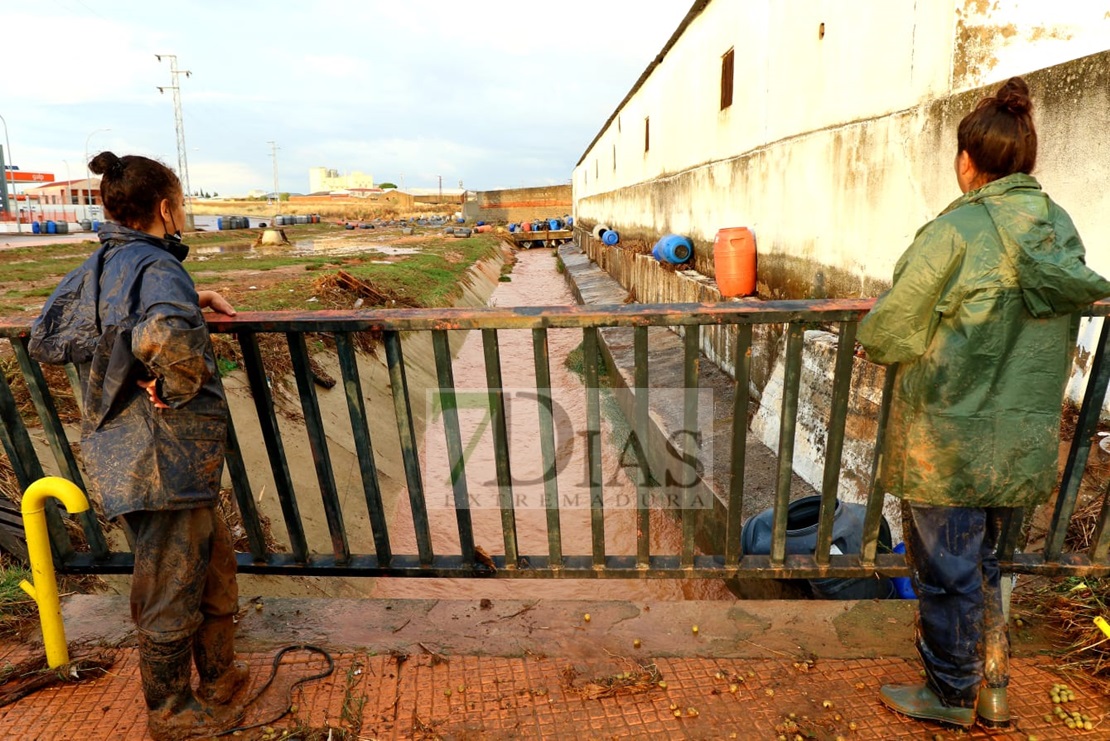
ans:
(725, 562)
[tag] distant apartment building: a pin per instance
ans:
(325, 180)
(66, 192)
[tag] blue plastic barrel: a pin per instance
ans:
(512, 228)
(96, 225)
(460, 220)
(51, 227)
(554, 224)
(35, 228)
(903, 586)
(570, 221)
(610, 237)
(480, 223)
(673, 248)
(220, 223)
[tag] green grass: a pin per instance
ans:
(429, 278)
(14, 602)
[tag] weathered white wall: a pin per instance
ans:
(836, 149)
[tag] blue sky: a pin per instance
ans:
(496, 94)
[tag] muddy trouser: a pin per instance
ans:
(184, 572)
(961, 631)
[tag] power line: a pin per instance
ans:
(179, 125)
(273, 153)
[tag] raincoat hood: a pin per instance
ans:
(116, 235)
(1041, 242)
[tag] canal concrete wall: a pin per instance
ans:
(647, 280)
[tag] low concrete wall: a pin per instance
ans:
(651, 282)
(519, 204)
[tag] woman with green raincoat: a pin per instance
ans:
(982, 320)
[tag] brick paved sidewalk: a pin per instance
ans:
(471, 697)
(397, 677)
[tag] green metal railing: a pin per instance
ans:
(690, 561)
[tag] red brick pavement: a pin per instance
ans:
(473, 697)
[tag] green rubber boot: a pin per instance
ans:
(918, 701)
(992, 708)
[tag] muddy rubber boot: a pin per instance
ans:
(222, 678)
(918, 701)
(173, 713)
(993, 708)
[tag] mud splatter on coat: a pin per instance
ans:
(131, 313)
(982, 319)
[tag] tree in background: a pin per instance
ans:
(387, 186)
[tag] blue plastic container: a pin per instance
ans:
(51, 227)
(801, 537)
(570, 221)
(903, 586)
(673, 248)
(96, 225)
(35, 228)
(220, 223)
(554, 224)
(611, 237)
(512, 228)
(480, 223)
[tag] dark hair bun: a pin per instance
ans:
(105, 162)
(1014, 96)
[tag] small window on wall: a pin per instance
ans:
(597, 170)
(614, 158)
(647, 134)
(727, 74)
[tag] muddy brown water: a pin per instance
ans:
(535, 281)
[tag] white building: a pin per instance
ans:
(325, 180)
(829, 127)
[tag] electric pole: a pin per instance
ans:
(179, 124)
(440, 188)
(273, 153)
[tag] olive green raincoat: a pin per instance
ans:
(982, 320)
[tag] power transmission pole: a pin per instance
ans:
(273, 153)
(179, 124)
(440, 189)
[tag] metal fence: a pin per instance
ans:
(690, 561)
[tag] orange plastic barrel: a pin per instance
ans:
(734, 261)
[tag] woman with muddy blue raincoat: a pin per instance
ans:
(153, 433)
(982, 319)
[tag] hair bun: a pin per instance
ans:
(106, 162)
(1014, 96)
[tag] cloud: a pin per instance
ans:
(423, 88)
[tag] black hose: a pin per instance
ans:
(273, 673)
